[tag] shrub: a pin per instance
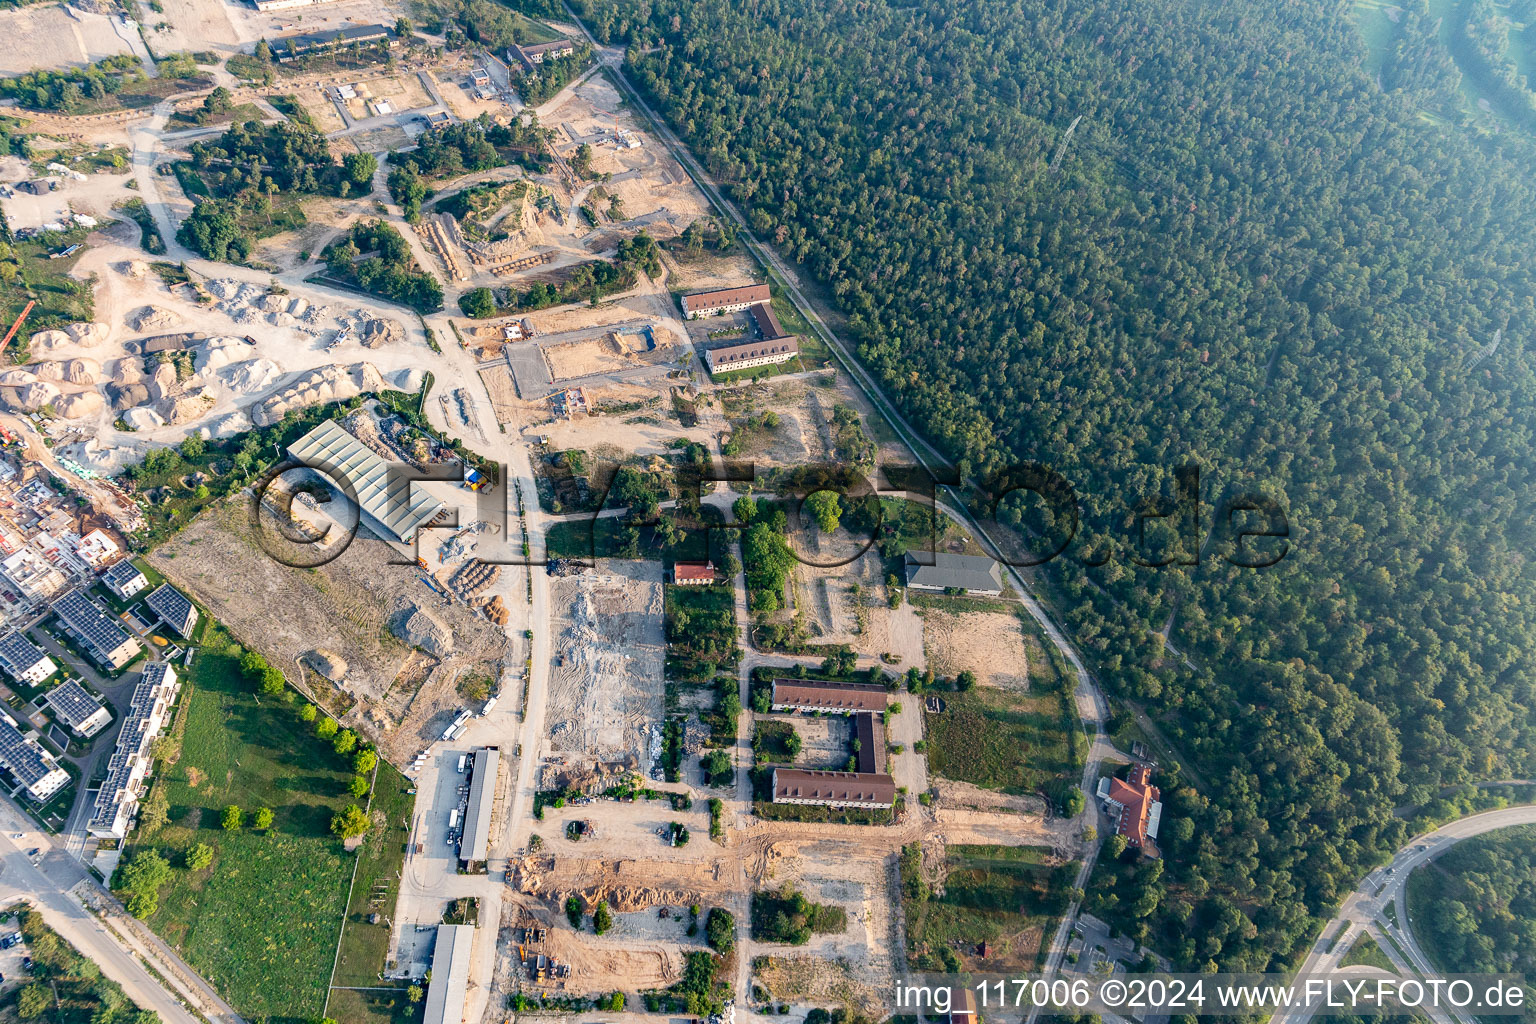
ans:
(602, 920)
(232, 818)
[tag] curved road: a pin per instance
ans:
(1387, 886)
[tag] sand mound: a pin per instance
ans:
(135, 269)
(82, 371)
(322, 384)
(163, 382)
(88, 334)
(143, 418)
(86, 403)
(31, 397)
(378, 333)
(190, 405)
(127, 371)
(44, 341)
(411, 380)
(17, 377)
(152, 318)
(229, 425)
(126, 396)
(48, 370)
(420, 628)
(251, 376)
(217, 353)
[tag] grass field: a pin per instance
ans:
(1377, 29)
(262, 922)
(60, 299)
(1366, 951)
(1006, 896)
(365, 946)
(373, 1007)
(998, 739)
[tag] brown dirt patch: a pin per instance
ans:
(991, 644)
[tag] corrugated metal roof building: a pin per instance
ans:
(389, 502)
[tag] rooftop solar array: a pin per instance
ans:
(72, 703)
(140, 723)
(121, 574)
(25, 759)
(85, 619)
(388, 499)
(18, 653)
(174, 608)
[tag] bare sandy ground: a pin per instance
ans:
(990, 644)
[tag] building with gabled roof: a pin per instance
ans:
(833, 789)
(450, 974)
(1134, 804)
(723, 300)
(829, 695)
(174, 608)
(486, 766)
(693, 574)
(974, 574)
(389, 502)
(534, 54)
(747, 354)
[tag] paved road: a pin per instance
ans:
(46, 883)
(1387, 885)
(1090, 700)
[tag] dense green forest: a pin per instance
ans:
(1474, 908)
(1248, 255)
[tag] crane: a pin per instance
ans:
(17, 325)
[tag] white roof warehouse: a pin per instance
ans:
(389, 504)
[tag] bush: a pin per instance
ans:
(198, 856)
(326, 728)
(264, 818)
(573, 911)
(720, 930)
(602, 920)
(232, 818)
(350, 823)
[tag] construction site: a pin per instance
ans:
(605, 689)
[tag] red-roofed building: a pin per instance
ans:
(1134, 804)
(693, 574)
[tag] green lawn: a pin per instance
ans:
(1376, 29)
(262, 922)
(1005, 896)
(1000, 740)
(365, 946)
(60, 299)
(1366, 951)
(350, 1006)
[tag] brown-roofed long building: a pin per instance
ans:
(534, 54)
(747, 354)
(833, 789)
(822, 695)
(723, 300)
